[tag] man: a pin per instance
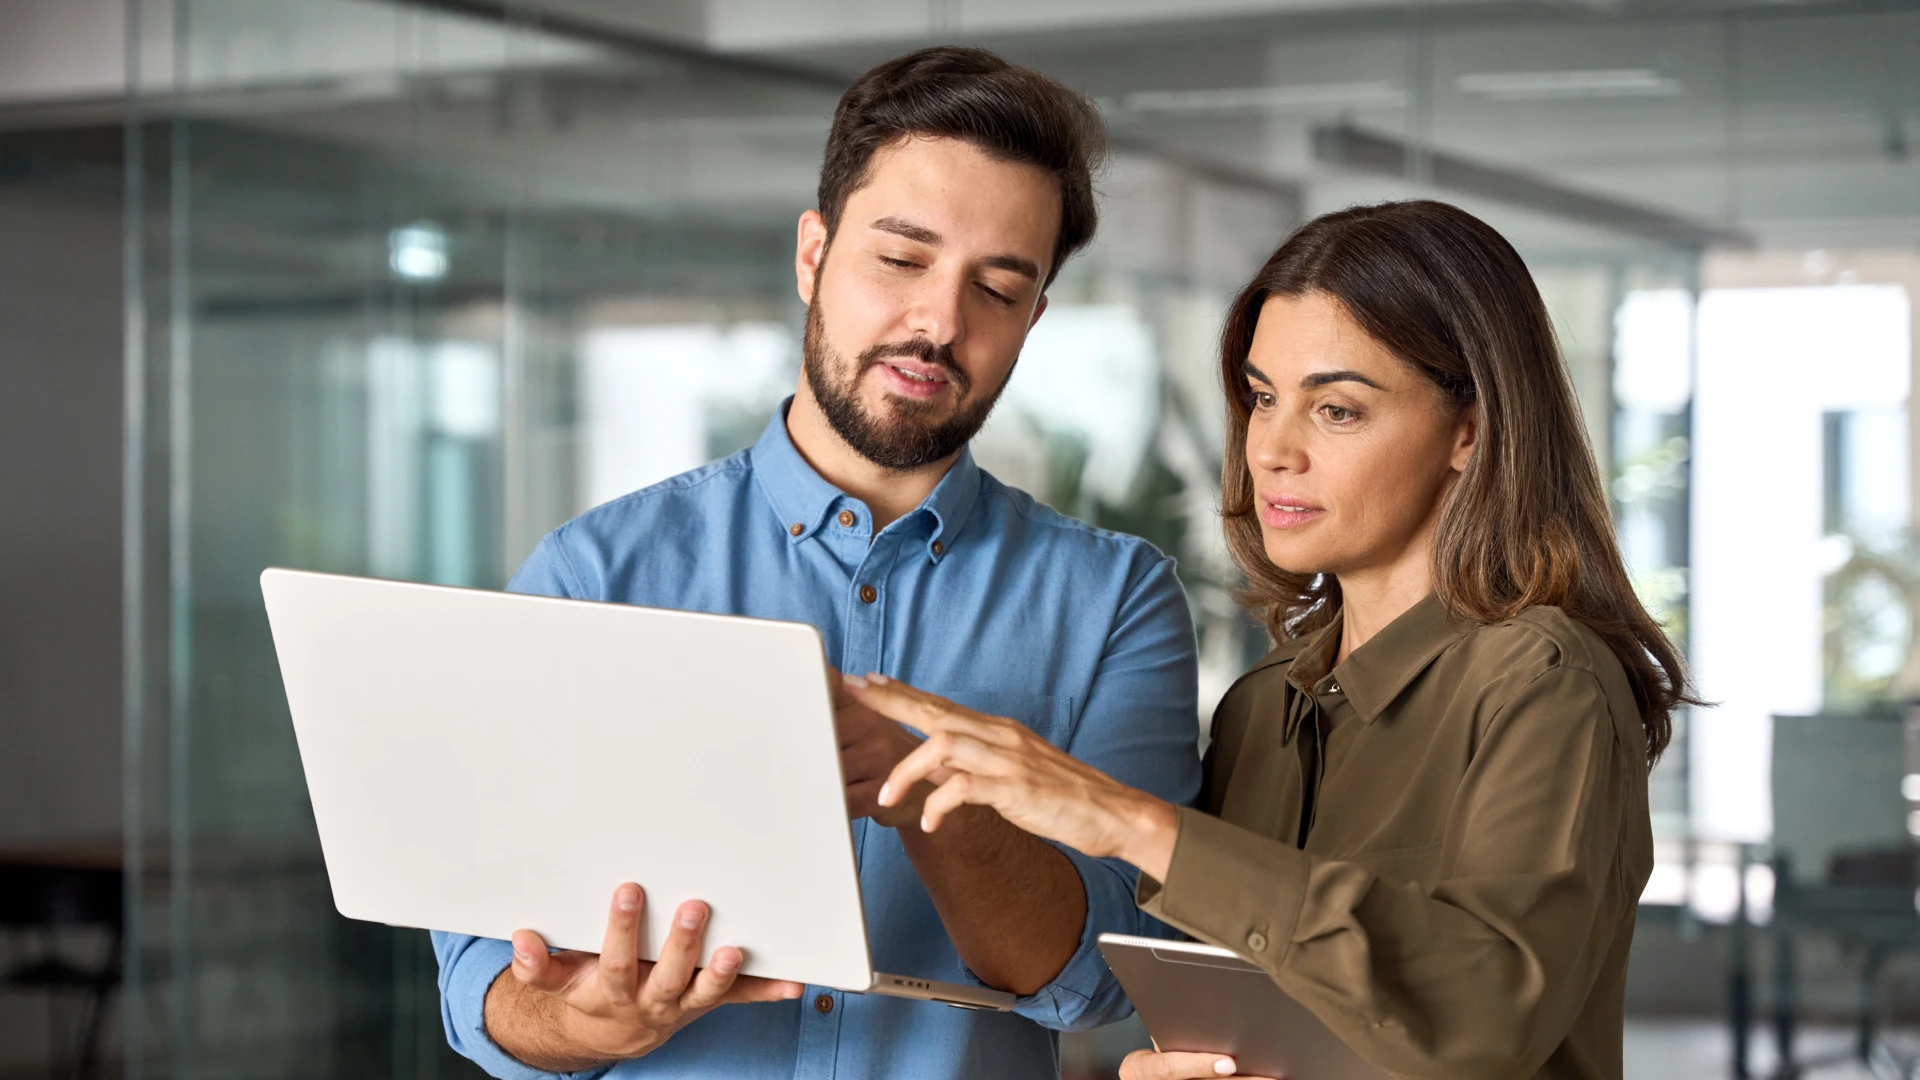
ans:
(953, 186)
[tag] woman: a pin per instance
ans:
(1425, 812)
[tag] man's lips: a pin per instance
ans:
(1287, 511)
(913, 379)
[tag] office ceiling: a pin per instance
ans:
(1582, 128)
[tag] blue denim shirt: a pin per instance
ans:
(981, 595)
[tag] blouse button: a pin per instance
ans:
(823, 1003)
(796, 529)
(1257, 941)
(939, 548)
(868, 594)
(847, 519)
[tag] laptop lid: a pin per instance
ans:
(481, 762)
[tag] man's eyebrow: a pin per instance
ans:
(1322, 378)
(920, 234)
(1014, 264)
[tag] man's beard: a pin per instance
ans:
(911, 437)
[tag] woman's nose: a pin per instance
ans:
(1274, 445)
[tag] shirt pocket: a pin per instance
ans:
(1047, 716)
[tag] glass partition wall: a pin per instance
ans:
(412, 283)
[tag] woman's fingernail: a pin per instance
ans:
(885, 791)
(924, 827)
(1223, 1066)
(874, 676)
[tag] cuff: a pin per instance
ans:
(1230, 887)
(1085, 994)
(468, 967)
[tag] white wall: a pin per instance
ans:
(60, 403)
(62, 49)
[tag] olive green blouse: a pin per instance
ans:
(1437, 845)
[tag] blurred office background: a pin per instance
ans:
(393, 288)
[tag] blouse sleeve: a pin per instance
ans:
(1482, 974)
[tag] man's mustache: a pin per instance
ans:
(940, 356)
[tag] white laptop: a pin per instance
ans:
(482, 762)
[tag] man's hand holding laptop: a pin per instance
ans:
(614, 1006)
(592, 1009)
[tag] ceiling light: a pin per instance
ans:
(1547, 85)
(418, 252)
(1302, 97)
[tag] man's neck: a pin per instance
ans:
(889, 494)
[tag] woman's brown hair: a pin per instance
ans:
(1527, 522)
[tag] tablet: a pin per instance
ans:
(1205, 999)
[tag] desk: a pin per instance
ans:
(1871, 914)
(48, 889)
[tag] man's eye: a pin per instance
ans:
(996, 294)
(902, 264)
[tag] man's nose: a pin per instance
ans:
(935, 310)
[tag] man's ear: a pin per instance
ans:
(1039, 309)
(1465, 437)
(809, 252)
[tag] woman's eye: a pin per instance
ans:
(1336, 414)
(1261, 399)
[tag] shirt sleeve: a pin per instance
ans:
(1483, 974)
(469, 965)
(1139, 726)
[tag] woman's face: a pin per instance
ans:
(1351, 449)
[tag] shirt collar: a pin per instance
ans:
(803, 499)
(1375, 674)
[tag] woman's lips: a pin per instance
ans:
(1287, 513)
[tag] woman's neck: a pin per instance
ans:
(1371, 599)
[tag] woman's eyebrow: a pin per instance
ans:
(1322, 378)
(1249, 371)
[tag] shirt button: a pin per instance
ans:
(847, 518)
(939, 548)
(823, 1004)
(1257, 941)
(796, 529)
(868, 594)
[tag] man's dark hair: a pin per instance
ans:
(1007, 111)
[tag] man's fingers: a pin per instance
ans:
(679, 955)
(747, 989)
(620, 949)
(1153, 1065)
(714, 980)
(535, 967)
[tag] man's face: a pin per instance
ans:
(915, 322)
